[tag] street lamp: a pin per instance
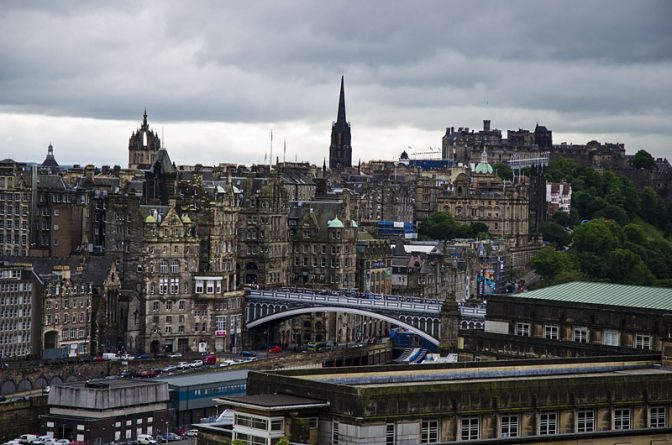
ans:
(267, 345)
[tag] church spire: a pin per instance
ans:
(340, 150)
(144, 120)
(341, 105)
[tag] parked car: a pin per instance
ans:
(192, 433)
(143, 356)
(169, 368)
(275, 349)
(77, 442)
(25, 439)
(175, 355)
(148, 373)
(160, 355)
(183, 365)
(146, 439)
(226, 363)
(172, 437)
(248, 353)
(12, 442)
(62, 442)
(19, 399)
(2, 399)
(196, 363)
(210, 359)
(42, 440)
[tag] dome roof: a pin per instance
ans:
(150, 219)
(185, 219)
(353, 224)
(335, 223)
(484, 167)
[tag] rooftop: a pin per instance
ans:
(460, 374)
(274, 401)
(204, 378)
(605, 294)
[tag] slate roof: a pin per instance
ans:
(605, 294)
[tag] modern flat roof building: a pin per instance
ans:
(584, 400)
(191, 396)
(101, 411)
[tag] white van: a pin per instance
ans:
(146, 439)
(27, 438)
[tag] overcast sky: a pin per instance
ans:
(216, 76)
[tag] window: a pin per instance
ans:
(551, 331)
(155, 306)
(585, 421)
(642, 341)
(509, 426)
(163, 286)
(523, 329)
(429, 433)
(163, 266)
(175, 266)
(276, 425)
(580, 334)
(169, 305)
(548, 423)
(611, 337)
(657, 415)
(390, 434)
(180, 305)
(470, 428)
(622, 419)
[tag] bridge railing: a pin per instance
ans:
(341, 300)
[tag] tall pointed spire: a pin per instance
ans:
(340, 150)
(144, 120)
(341, 104)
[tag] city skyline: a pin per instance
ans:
(216, 79)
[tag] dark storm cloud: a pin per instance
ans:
(406, 63)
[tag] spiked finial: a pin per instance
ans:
(341, 104)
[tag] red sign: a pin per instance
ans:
(220, 333)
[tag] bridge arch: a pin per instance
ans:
(347, 310)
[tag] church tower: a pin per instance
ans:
(340, 150)
(143, 147)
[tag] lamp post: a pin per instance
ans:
(267, 345)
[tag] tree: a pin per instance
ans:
(626, 267)
(555, 234)
(439, 226)
(502, 170)
(479, 230)
(643, 159)
(598, 237)
(237, 442)
(549, 263)
(283, 441)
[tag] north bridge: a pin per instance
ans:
(422, 316)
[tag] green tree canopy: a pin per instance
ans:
(643, 159)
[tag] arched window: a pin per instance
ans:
(163, 266)
(175, 266)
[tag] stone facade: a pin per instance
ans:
(20, 311)
(16, 199)
(143, 147)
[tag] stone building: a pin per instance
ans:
(143, 147)
(591, 313)
(485, 198)
(59, 218)
(67, 320)
(169, 260)
(557, 401)
(322, 245)
(263, 245)
(20, 311)
(374, 259)
(17, 195)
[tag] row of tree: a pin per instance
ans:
(615, 231)
(442, 226)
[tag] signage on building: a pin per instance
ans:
(221, 333)
(202, 347)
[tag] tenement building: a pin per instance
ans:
(20, 311)
(595, 313)
(604, 400)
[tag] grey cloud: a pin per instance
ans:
(411, 63)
